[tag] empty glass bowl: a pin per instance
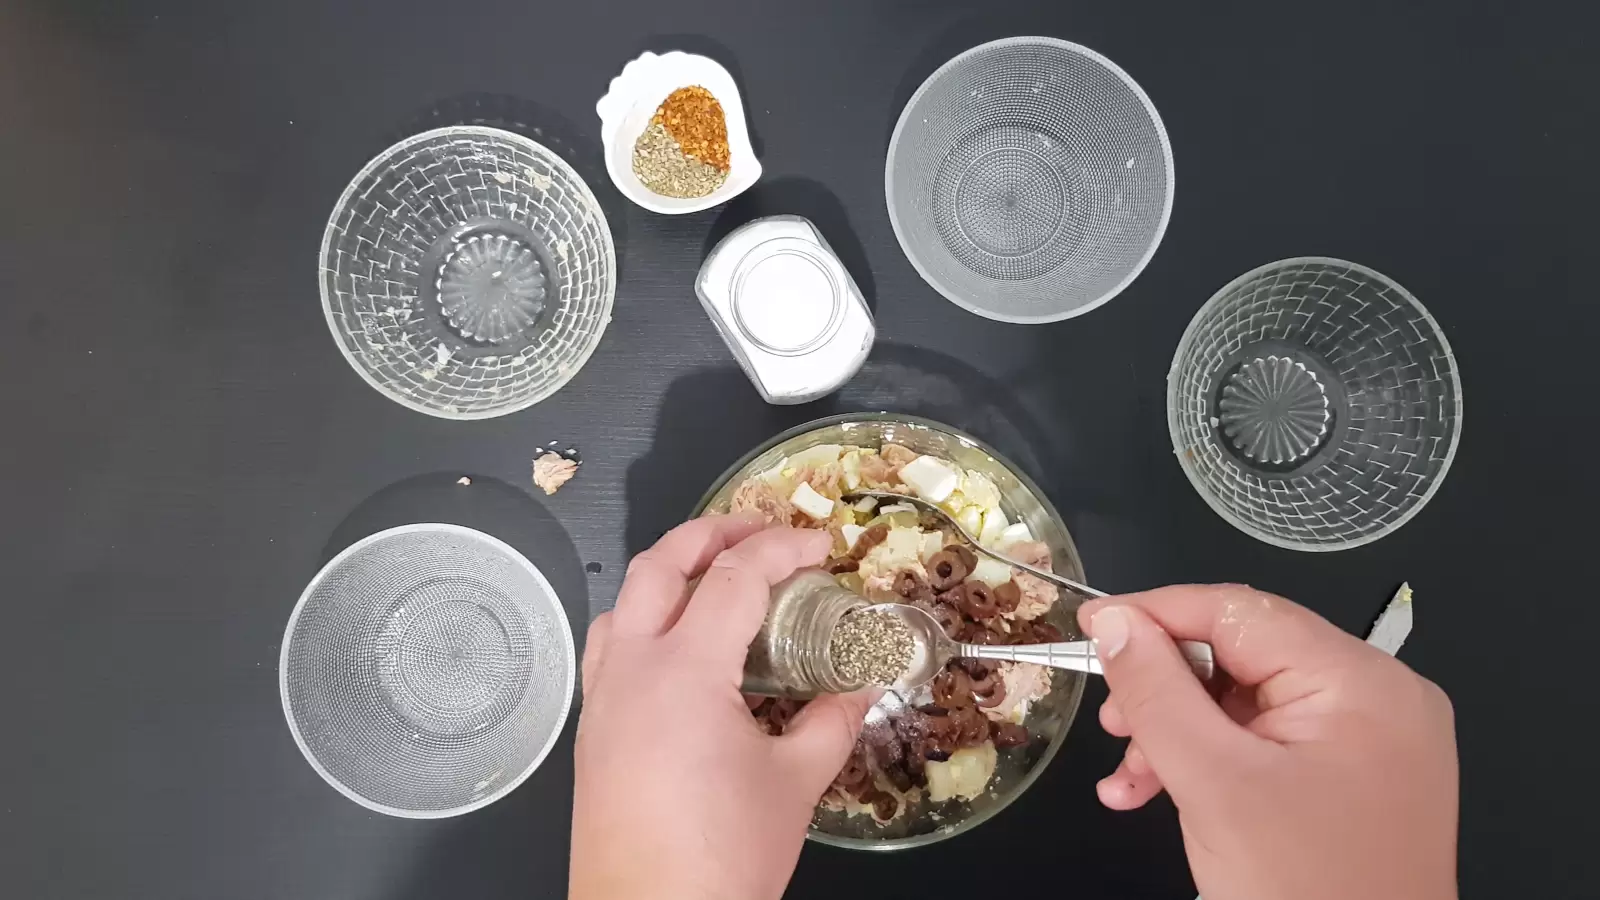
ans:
(1029, 180)
(427, 671)
(467, 272)
(1047, 722)
(1314, 404)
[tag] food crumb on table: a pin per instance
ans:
(552, 470)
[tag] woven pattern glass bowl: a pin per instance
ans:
(427, 671)
(1029, 180)
(1021, 500)
(467, 272)
(1314, 404)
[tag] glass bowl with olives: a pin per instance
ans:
(929, 766)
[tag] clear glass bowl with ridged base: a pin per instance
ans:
(1314, 404)
(1029, 180)
(427, 671)
(467, 272)
(1047, 722)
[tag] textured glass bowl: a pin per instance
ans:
(427, 671)
(1021, 499)
(467, 272)
(1029, 180)
(1314, 404)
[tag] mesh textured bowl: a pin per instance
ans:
(1029, 180)
(467, 272)
(427, 671)
(1314, 404)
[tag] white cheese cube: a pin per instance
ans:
(965, 774)
(980, 489)
(810, 502)
(931, 479)
(1014, 534)
(816, 457)
(971, 518)
(903, 544)
(991, 572)
(994, 523)
(850, 464)
(851, 533)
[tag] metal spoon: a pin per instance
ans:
(965, 535)
(933, 649)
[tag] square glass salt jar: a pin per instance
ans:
(787, 308)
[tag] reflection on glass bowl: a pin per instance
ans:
(1021, 500)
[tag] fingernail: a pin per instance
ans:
(1109, 628)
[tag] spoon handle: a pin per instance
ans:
(1079, 656)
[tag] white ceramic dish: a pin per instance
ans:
(632, 99)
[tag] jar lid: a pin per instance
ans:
(787, 308)
(786, 296)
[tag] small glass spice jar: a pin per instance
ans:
(789, 656)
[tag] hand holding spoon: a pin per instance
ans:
(932, 649)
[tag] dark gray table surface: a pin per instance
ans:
(183, 445)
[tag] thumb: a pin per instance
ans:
(819, 740)
(1184, 735)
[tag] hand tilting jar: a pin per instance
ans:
(819, 637)
(789, 656)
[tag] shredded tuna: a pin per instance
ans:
(825, 481)
(1038, 595)
(1024, 683)
(759, 497)
(897, 455)
(878, 473)
(553, 470)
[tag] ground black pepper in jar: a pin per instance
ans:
(789, 656)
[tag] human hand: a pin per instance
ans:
(1327, 772)
(679, 793)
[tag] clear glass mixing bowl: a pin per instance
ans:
(1021, 500)
(1314, 404)
(467, 272)
(1029, 180)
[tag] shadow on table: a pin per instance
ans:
(541, 124)
(490, 506)
(800, 197)
(712, 417)
(709, 419)
(907, 379)
(522, 838)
